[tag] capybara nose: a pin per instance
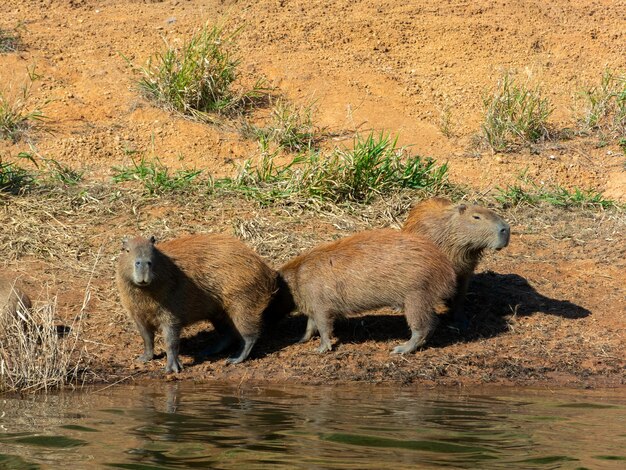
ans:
(505, 234)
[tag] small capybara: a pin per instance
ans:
(463, 232)
(369, 270)
(13, 300)
(198, 277)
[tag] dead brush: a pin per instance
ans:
(38, 354)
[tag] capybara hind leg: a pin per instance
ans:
(422, 323)
(148, 342)
(311, 330)
(248, 342)
(325, 328)
(171, 335)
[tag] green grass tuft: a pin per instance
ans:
(375, 166)
(9, 41)
(290, 127)
(605, 105)
(155, 177)
(532, 194)
(514, 115)
(199, 77)
(14, 178)
(16, 112)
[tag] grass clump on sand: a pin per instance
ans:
(9, 41)
(374, 166)
(38, 354)
(14, 178)
(605, 105)
(514, 115)
(16, 112)
(199, 77)
(291, 127)
(156, 177)
(529, 193)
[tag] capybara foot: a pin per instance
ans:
(411, 345)
(173, 366)
(248, 342)
(145, 357)
(404, 348)
(324, 346)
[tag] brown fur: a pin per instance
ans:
(12, 298)
(463, 233)
(369, 270)
(199, 277)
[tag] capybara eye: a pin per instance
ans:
(477, 217)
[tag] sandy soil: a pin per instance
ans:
(549, 309)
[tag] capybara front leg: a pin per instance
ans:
(171, 335)
(325, 328)
(148, 342)
(422, 323)
(248, 342)
(311, 330)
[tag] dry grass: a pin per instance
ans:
(36, 353)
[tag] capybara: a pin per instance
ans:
(463, 232)
(13, 300)
(199, 277)
(369, 270)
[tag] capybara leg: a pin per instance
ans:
(248, 342)
(325, 327)
(148, 342)
(311, 330)
(171, 335)
(422, 323)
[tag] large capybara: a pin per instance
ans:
(199, 277)
(13, 300)
(463, 232)
(369, 270)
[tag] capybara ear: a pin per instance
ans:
(125, 244)
(152, 239)
(462, 208)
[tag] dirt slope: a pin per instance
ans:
(370, 65)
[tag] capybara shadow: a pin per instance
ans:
(284, 335)
(504, 294)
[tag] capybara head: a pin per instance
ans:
(479, 228)
(137, 258)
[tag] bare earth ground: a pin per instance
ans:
(549, 309)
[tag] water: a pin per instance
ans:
(182, 425)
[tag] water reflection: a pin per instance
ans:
(182, 425)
